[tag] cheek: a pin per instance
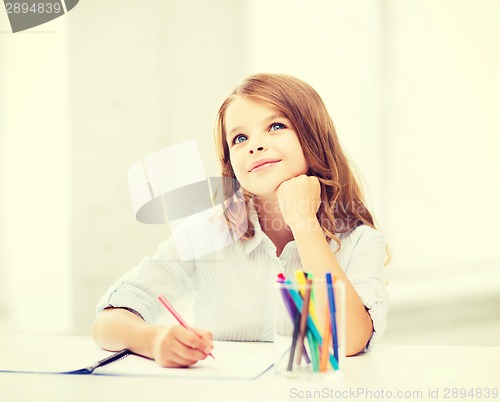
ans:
(301, 162)
(305, 166)
(236, 163)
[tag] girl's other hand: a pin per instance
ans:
(299, 199)
(178, 347)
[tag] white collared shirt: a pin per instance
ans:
(232, 287)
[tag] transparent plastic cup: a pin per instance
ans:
(309, 343)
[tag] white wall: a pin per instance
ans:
(444, 95)
(35, 220)
(442, 91)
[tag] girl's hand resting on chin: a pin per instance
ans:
(299, 199)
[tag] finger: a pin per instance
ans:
(183, 361)
(175, 360)
(178, 354)
(192, 341)
(207, 335)
(187, 355)
(280, 187)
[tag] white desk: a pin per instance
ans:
(383, 372)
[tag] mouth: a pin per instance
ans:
(262, 164)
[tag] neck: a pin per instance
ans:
(272, 222)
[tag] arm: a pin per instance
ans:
(116, 329)
(299, 200)
(318, 258)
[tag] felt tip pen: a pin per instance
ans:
(163, 300)
(333, 320)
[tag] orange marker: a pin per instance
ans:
(325, 352)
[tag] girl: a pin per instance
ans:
(302, 209)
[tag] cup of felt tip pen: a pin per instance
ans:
(309, 326)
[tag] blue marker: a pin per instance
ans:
(331, 301)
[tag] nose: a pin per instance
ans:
(256, 149)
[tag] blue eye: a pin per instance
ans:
(277, 126)
(239, 139)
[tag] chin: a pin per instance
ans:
(265, 193)
(265, 188)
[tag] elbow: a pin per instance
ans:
(355, 347)
(95, 330)
(99, 331)
(358, 336)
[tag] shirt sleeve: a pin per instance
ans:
(365, 269)
(163, 273)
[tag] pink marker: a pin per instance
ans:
(163, 300)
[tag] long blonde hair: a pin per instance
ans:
(342, 205)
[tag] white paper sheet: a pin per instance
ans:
(233, 360)
(58, 354)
